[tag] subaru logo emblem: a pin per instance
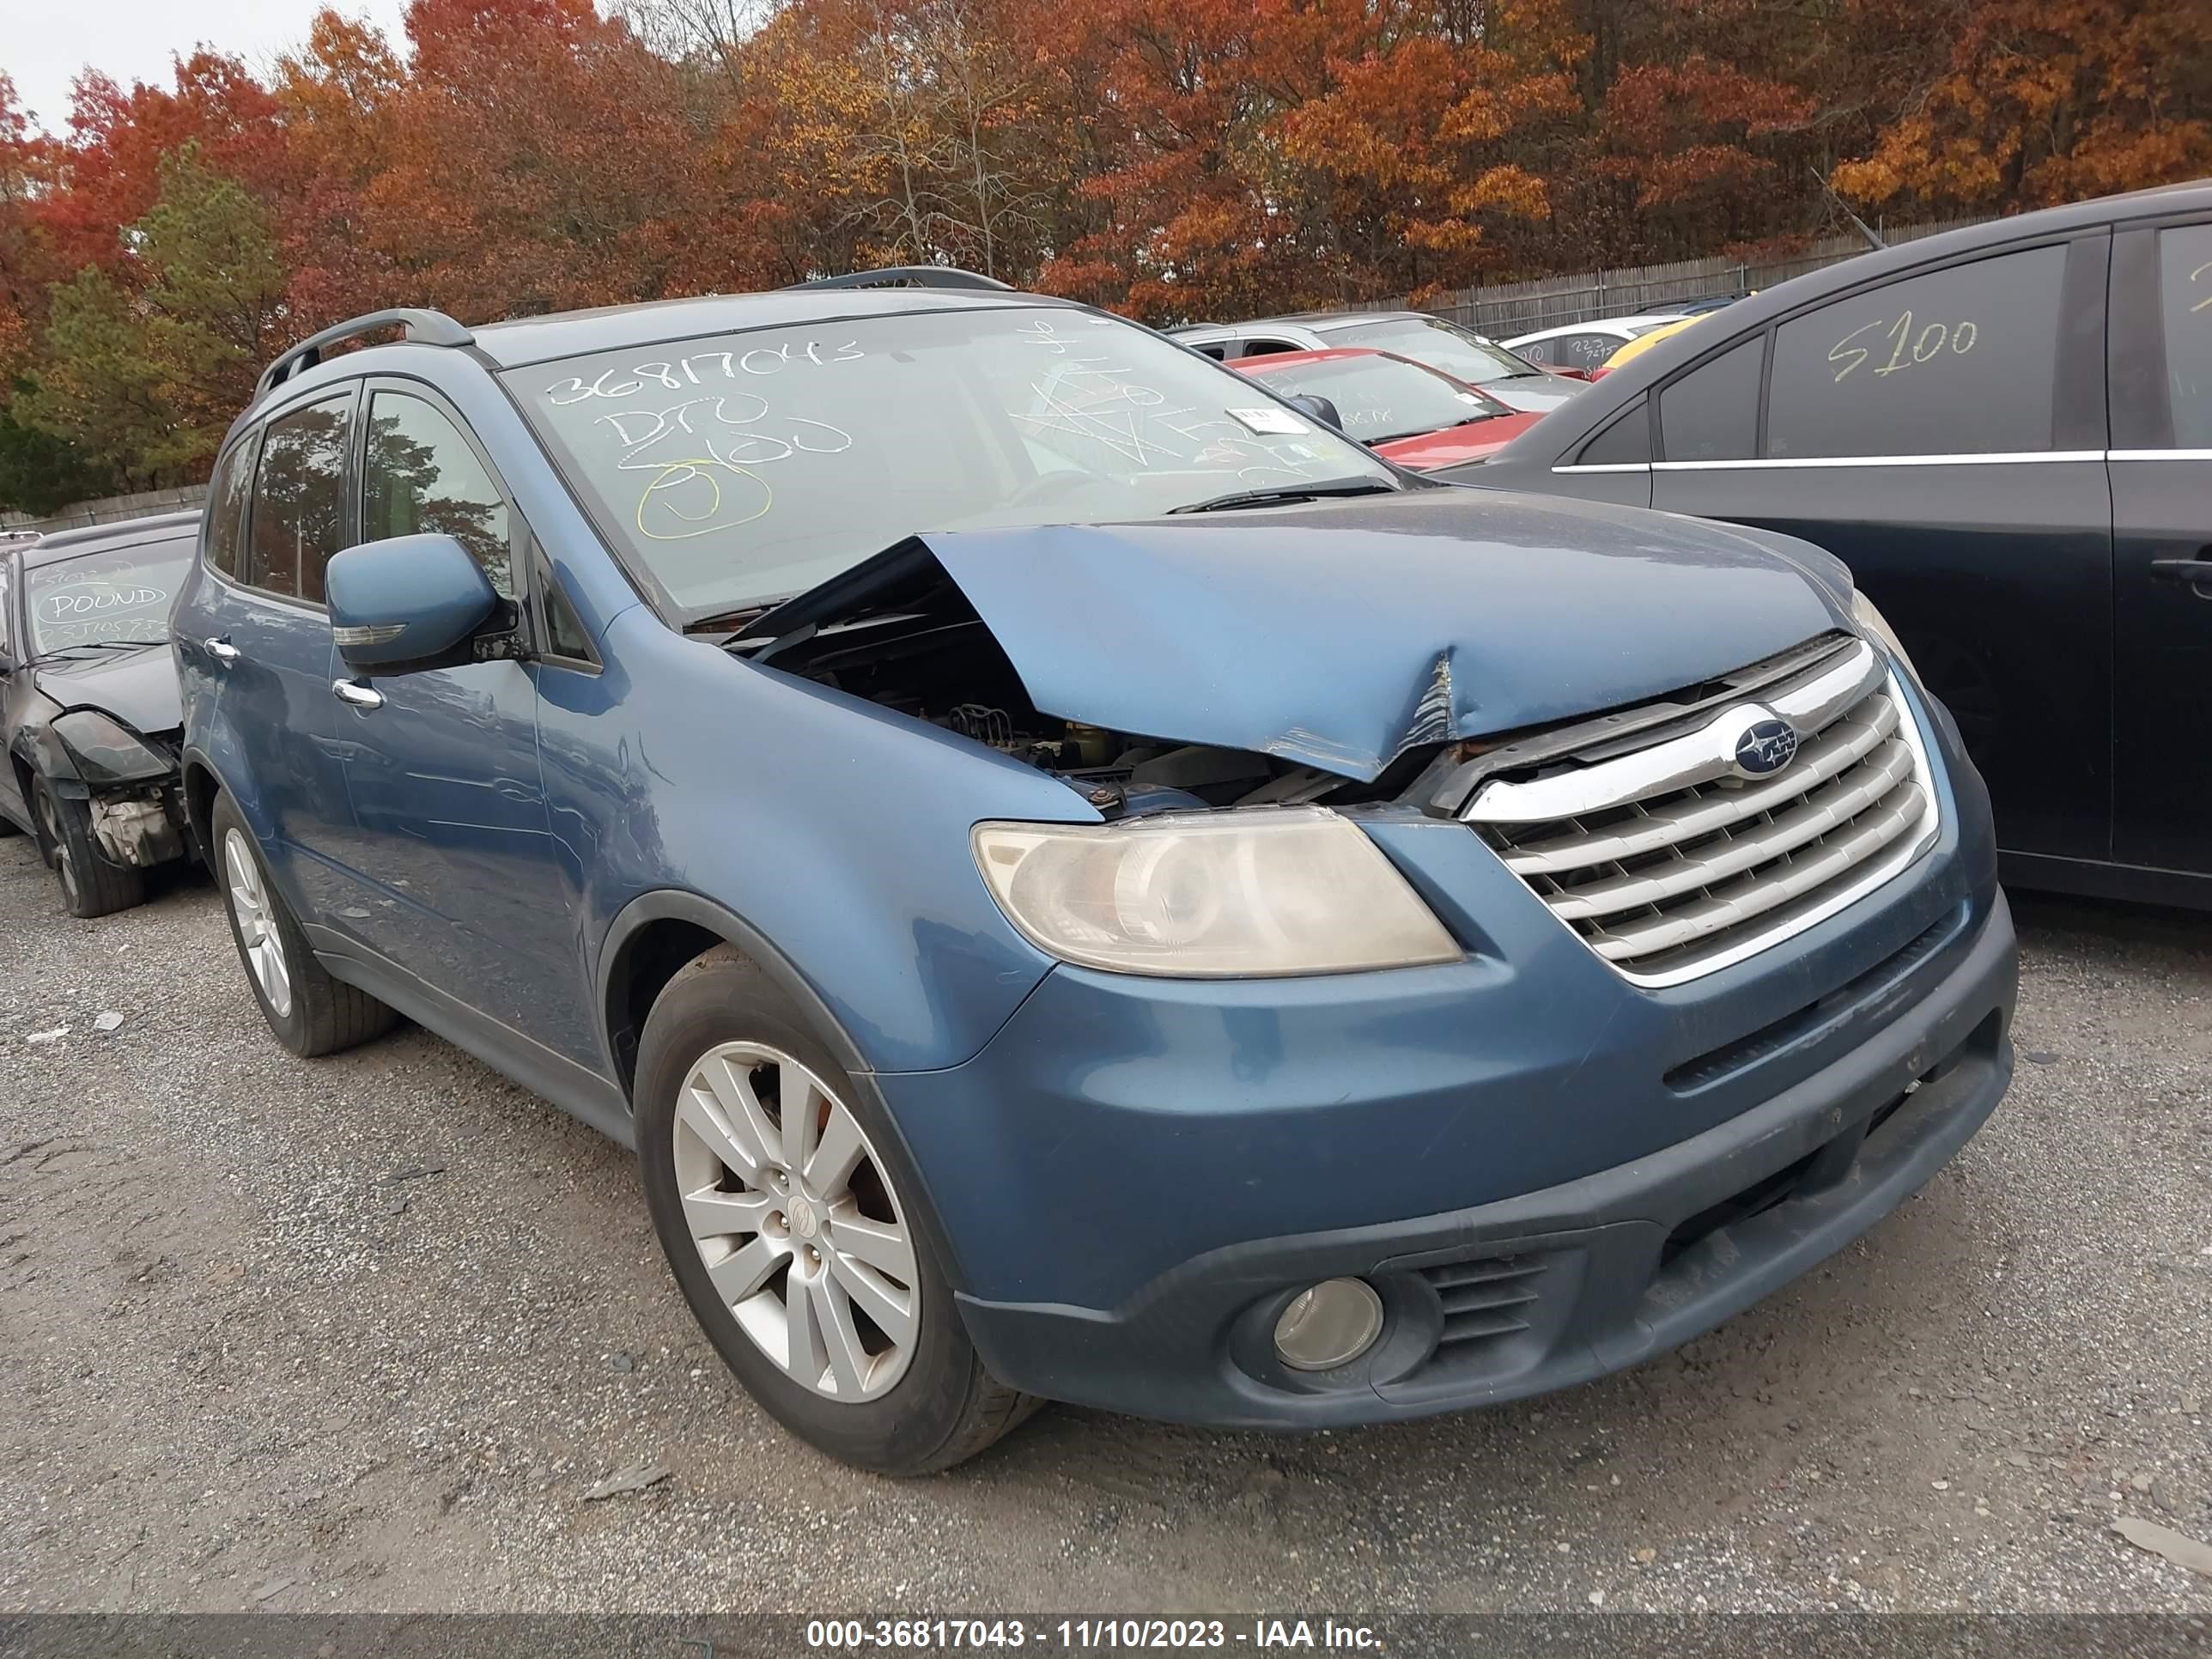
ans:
(1766, 747)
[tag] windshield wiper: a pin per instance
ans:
(105, 645)
(731, 622)
(1285, 493)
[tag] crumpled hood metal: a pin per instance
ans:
(138, 688)
(1339, 635)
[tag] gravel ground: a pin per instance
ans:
(360, 1333)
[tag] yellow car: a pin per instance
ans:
(1642, 343)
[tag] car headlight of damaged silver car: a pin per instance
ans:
(1868, 619)
(1273, 891)
(106, 752)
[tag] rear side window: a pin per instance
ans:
(1584, 351)
(1959, 362)
(2184, 260)
(4, 604)
(227, 498)
(421, 474)
(1711, 414)
(299, 499)
(1539, 351)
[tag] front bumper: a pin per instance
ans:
(1555, 1287)
(135, 825)
(1548, 1171)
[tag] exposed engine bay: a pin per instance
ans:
(918, 648)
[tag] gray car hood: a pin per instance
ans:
(138, 688)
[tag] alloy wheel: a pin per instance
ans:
(256, 924)
(794, 1220)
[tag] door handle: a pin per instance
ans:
(352, 692)
(2196, 572)
(221, 650)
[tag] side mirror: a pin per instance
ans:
(1319, 408)
(411, 602)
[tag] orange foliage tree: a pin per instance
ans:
(1173, 158)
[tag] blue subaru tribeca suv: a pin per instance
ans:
(1078, 881)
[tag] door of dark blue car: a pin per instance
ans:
(263, 646)
(453, 846)
(2161, 467)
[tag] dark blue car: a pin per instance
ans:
(1078, 881)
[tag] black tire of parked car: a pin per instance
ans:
(91, 885)
(327, 1014)
(946, 1408)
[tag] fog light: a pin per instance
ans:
(1331, 1324)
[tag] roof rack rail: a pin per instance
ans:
(429, 327)
(912, 276)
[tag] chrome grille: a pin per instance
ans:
(1669, 864)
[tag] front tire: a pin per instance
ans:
(308, 1011)
(794, 1237)
(91, 885)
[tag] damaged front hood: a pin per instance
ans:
(138, 688)
(1339, 635)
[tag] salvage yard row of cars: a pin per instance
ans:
(1077, 879)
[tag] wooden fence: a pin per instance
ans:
(1502, 309)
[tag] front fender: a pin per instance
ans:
(834, 831)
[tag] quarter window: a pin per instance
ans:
(1958, 361)
(1626, 442)
(226, 496)
(2185, 258)
(421, 475)
(298, 500)
(1711, 414)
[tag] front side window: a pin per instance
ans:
(1539, 351)
(117, 596)
(1711, 414)
(2185, 261)
(4, 626)
(1440, 344)
(299, 499)
(1380, 398)
(1958, 361)
(421, 475)
(747, 467)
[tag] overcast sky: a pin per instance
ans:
(46, 44)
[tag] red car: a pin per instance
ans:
(1419, 417)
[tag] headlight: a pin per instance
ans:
(104, 751)
(1864, 614)
(1260, 890)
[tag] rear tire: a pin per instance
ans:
(91, 885)
(915, 1397)
(308, 1011)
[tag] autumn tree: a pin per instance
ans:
(143, 371)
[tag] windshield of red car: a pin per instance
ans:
(1380, 398)
(1440, 344)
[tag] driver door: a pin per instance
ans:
(452, 848)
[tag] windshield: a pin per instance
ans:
(1380, 398)
(1440, 344)
(749, 467)
(106, 597)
